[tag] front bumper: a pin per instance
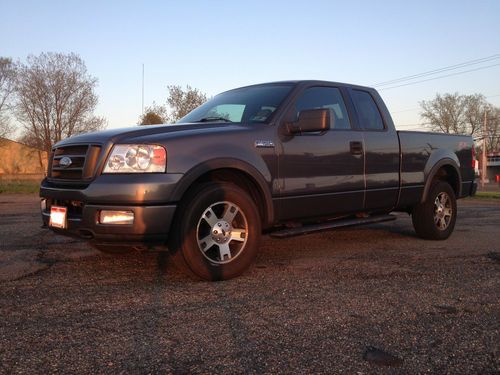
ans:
(151, 223)
(144, 196)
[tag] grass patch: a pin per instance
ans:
(487, 195)
(19, 187)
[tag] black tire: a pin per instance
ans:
(435, 218)
(219, 244)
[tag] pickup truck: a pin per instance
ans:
(284, 158)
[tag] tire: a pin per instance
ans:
(216, 232)
(435, 218)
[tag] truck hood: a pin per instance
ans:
(122, 134)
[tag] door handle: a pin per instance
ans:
(356, 147)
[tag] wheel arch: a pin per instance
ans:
(234, 171)
(445, 170)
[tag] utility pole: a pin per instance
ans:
(484, 159)
(143, 89)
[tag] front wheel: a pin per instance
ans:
(216, 233)
(435, 218)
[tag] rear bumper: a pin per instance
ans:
(469, 188)
(473, 189)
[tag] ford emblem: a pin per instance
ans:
(65, 162)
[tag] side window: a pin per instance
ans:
(367, 110)
(325, 97)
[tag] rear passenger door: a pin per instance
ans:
(321, 173)
(381, 150)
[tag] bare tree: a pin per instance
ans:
(475, 106)
(7, 75)
(454, 113)
(179, 101)
(184, 101)
(154, 115)
(55, 99)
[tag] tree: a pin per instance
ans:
(180, 102)
(184, 101)
(154, 115)
(55, 99)
(454, 113)
(7, 76)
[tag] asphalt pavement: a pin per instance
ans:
(372, 299)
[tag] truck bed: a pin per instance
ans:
(419, 153)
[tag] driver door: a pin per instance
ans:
(321, 173)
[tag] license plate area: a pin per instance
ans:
(58, 217)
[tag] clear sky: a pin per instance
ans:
(218, 45)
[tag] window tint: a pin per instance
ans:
(325, 97)
(367, 110)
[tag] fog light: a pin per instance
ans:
(43, 205)
(116, 217)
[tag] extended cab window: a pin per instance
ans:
(368, 113)
(325, 97)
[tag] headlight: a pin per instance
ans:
(136, 159)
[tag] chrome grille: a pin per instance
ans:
(82, 162)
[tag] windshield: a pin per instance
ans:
(246, 105)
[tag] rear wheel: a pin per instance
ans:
(435, 218)
(216, 232)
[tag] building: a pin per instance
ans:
(20, 162)
(493, 166)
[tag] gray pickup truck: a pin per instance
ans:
(283, 158)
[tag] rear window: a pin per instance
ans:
(368, 113)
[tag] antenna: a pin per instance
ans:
(143, 89)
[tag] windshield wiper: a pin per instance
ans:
(213, 118)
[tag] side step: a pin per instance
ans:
(289, 232)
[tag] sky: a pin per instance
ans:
(218, 45)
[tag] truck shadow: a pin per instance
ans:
(275, 253)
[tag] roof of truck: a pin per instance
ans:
(308, 82)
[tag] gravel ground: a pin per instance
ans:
(362, 300)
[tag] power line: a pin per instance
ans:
(440, 70)
(432, 79)
(418, 108)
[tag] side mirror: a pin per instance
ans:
(311, 120)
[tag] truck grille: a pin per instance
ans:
(74, 163)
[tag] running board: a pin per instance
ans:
(289, 232)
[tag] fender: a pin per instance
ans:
(431, 172)
(228, 163)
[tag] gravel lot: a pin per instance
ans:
(360, 300)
